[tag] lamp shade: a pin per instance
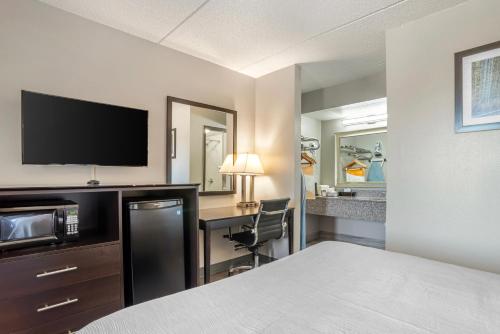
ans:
(228, 165)
(248, 164)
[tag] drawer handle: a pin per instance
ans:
(50, 307)
(55, 272)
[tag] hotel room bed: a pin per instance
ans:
(331, 287)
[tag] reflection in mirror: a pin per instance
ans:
(361, 158)
(214, 153)
(204, 137)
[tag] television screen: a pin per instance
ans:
(59, 130)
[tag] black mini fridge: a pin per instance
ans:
(153, 250)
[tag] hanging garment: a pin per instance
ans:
(355, 171)
(375, 172)
(355, 174)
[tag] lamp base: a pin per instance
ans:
(247, 204)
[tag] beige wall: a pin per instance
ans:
(47, 50)
(51, 51)
(365, 89)
(443, 188)
(277, 139)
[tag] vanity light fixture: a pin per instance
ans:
(378, 120)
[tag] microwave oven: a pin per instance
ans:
(39, 223)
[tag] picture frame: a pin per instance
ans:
(174, 143)
(477, 89)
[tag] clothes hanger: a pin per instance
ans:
(309, 160)
(356, 162)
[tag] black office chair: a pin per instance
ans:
(269, 224)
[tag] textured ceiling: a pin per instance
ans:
(334, 40)
(240, 33)
(354, 51)
(148, 19)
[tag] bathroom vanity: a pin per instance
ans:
(359, 219)
(370, 209)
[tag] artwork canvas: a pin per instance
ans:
(478, 89)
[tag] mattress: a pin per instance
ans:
(332, 287)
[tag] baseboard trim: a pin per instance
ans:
(369, 242)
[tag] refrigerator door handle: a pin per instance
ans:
(154, 205)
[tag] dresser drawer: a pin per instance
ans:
(41, 273)
(73, 322)
(38, 309)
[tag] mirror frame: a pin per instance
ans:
(338, 136)
(170, 101)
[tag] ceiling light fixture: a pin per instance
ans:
(368, 120)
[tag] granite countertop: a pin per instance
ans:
(371, 209)
(355, 198)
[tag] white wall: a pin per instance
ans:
(443, 187)
(277, 139)
(364, 89)
(47, 50)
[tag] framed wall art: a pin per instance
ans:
(477, 89)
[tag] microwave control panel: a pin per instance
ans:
(71, 221)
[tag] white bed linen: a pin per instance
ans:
(332, 287)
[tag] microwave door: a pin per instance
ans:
(27, 227)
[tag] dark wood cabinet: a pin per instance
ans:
(47, 306)
(61, 288)
(55, 270)
(74, 322)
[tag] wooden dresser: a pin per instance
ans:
(61, 288)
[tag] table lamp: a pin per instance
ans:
(247, 165)
(227, 166)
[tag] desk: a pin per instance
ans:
(219, 218)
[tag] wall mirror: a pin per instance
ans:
(361, 158)
(199, 137)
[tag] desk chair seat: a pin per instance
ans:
(245, 238)
(269, 224)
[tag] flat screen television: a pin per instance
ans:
(63, 131)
